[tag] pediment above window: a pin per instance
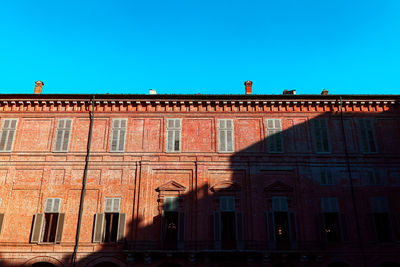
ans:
(171, 186)
(225, 186)
(278, 187)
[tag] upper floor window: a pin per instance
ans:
(118, 135)
(326, 177)
(170, 203)
(320, 129)
(63, 134)
(174, 129)
(225, 135)
(48, 226)
(367, 138)
(227, 203)
(279, 204)
(7, 134)
(332, 226)
(274, 135)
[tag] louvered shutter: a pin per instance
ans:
(98, 228)
(367, 137)
(8, 135)
(225, 135)
(59, 135)
(274, 136)
(181, 226)
(48, 205)
(118, 135)
(269, 222)
(63, 134)
(321, 135)
(211, 227)
(37, 228)
(217, 230)
(67, 135)
(321, 227)
(1, 221)
(60, 227)
(173, 142)
(121, 226)
(292, 226)
(279, 204)
(344, 227)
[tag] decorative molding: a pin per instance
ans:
(225, 185)
(278, 187)
(171, 186)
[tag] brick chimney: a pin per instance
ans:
(324, 92)
(248, 85)
(38, 87)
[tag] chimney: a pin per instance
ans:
(324, 92)
(38, 87)
(287, 92)
(152, 92)
(248, 85)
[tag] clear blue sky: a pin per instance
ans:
(202, 46)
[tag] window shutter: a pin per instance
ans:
(269, 226)
(217, 225)
(49, 205)
(225, 135)
(98, 228)
(1, 221)
(181, 226)
(173, 142)
(367, 137)
(121, 227)
(239, 226)
(116, 205)
(8, 134)
(372, 227)
(274, 135)
(63, 134)
(118, 135)
(344, 225)
(321, 135)
(379, 205)
(321, 227)
(37, 228)
(329, 204)
(292, 226)
(211, 227)
(60, 227)
(279, 204)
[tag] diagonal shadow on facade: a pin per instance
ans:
(257, 208)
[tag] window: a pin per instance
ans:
(118, 135)
(274, 136)
(380, 219)
(174, 128)
(331, 221)
(281, 224)
(225, 136)
(321, 136)
(7, 134)
(110, 225)
(63, 134)
(170, 204)
(48, 226)
(326, 177)
(374, 178)
(367, 138)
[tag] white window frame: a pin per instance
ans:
(173, 130)
(364, 127)
(117, 150)
(49, 206)
(115, 205)
(226, 130)
(8, 135)
(63, 130)
(274, 133)
(321, 132)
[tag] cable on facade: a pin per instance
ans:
(353, 197)
(78, 229)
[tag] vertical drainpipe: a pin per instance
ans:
(353, 197)
(78, 229)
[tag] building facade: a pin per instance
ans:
(199, 180)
